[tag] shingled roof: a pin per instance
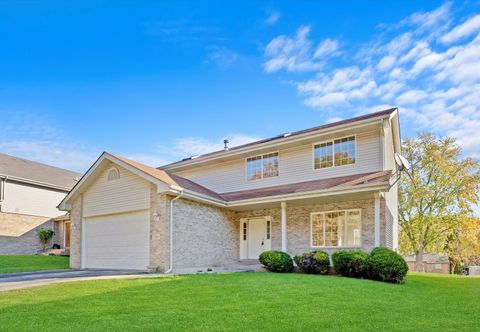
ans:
(294, 188)
(36, 172)
(310, 186)
(287, 136)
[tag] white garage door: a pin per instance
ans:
(117, 242)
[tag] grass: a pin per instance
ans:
(12, 264)
(247, 301)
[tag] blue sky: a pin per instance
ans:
(158, 81)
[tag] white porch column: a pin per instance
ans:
(284, 226)
(377, 219)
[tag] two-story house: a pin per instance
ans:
(326, 187)
(29, 195)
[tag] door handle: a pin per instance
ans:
(262, 243)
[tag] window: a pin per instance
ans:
(244, 231)
(264, 166)
(113, 174)
(268, 229)
(336, 229)
(337, 152)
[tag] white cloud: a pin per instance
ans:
(192, 146)
(435, 85)
(411, 97)
(272, 18)
(291, 53)
(222, 56)
(40, 139)
(326, 48)
(466, 29)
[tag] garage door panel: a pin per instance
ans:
(118, 241)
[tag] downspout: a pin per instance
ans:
(171, 232)
(3, 180)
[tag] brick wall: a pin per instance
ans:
(25, 241)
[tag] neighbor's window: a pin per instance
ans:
(113, 174)
(264, 166)
(337, 152)
(336, 229)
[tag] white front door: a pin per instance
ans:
(257, 237)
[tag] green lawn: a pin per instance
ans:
(11, 264)
(246, 301)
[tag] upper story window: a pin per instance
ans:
(264, 166)
(336, 152)
(113, 174)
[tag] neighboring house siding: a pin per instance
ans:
(128, 193)
(25, 242)
(31, 200)
(295, 165)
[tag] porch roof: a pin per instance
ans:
(310, 186)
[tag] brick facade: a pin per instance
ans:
(298, 223)
(76, 233)
(22, 238)
(208, 236)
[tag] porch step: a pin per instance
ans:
(55, 252)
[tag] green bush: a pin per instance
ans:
(386, 265)
(276, 261)
(45, 235)
(350, 263)
(313, 262)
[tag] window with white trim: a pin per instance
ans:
(336, 228)
(336, 152)
(264, 166)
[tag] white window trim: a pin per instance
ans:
(335, 247)
(333, 149)
(261, 155)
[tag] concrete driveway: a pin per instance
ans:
(12, 281)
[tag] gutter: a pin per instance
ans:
(37, 183)
(171, 232)
(3, 180)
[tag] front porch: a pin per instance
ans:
(355, 221)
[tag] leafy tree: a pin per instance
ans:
(463, 242)
(45, 235)
(440, 187)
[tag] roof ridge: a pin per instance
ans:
(298, 132)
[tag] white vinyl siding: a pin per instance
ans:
(295, 166)
(127, 193)
(28, 199)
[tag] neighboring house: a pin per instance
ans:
(29, 195)
(327, 188)
(431, 263)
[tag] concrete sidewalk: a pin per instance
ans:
(13, 281)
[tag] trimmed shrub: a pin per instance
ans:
(350, 263)
(313, 262)
(386, 265)
(276, 261)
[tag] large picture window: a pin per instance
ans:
(336, 228)
(337, 152)
(264, 166)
